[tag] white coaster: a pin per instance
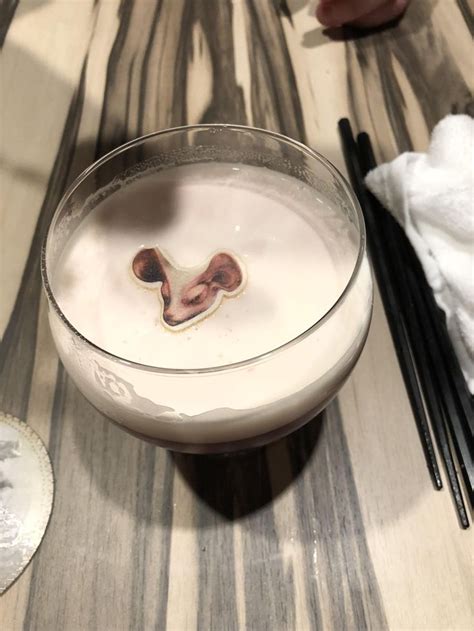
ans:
(26, 496)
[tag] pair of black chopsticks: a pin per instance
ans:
(433, 378)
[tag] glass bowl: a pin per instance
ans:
(240, 405)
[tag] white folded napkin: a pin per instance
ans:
(432, 197)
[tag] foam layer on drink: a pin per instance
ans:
(283, 233)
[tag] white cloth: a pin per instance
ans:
(432, 197)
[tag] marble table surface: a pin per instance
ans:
(337, 526)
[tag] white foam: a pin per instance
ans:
(285, 235)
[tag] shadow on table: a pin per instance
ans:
(236, 485)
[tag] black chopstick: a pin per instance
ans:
(436, 387)
(429, 337)
(386, 287)
(441, 380)
(459, 389)
(452, 391)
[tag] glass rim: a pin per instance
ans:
(234, 365)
